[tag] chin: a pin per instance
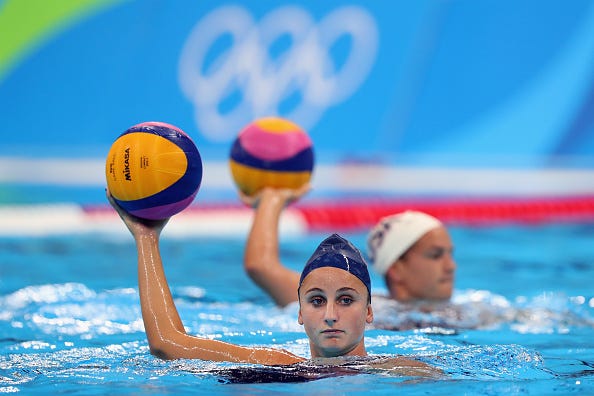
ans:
(332, 352)
(442, 297)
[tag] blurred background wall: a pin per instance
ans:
(399, 97)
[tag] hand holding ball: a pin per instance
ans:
(153, 170)
(271, 152)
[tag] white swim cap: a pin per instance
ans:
(393, 235)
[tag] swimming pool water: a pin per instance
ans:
(521, 320)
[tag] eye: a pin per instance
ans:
(436, 254)
(317, 301)
(345, 300)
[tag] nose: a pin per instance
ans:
(450, 263)
(330, 316)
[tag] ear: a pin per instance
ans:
(394, 271)
(369, 317)
(299, 318)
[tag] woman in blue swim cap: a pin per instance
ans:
(334, 298)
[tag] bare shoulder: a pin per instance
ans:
(401, 365)
(391, 365)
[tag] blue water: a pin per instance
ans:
(521, 320)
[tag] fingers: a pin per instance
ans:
(296, 194)
(135, 224)
(304, 189)
(112, 202)
(287, 195)
(125, 216)
(249, 200)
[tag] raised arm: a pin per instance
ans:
(261, 258)
(165, 332)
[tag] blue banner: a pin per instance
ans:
(442, 83)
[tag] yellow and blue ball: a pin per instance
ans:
(153, 170)
(271, 152)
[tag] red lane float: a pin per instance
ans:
(364, 213)
(360, 214)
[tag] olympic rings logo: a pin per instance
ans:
(232, 71)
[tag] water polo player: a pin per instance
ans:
(333, 292)
(412, 250)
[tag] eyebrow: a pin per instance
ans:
(434, 246)
(441, 247)
(341, 290)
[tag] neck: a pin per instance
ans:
(357, 350)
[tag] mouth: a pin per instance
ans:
(332, 332)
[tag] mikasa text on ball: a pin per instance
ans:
(153, 170)
(271, 152)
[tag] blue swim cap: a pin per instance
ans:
(337, 252)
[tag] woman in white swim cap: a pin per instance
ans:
(413, 252)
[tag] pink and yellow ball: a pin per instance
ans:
(153, 170)
(271, 152)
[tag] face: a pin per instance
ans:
(334, 309)
(426, 270)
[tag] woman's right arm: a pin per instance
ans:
(166, 335)
(165, 332)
